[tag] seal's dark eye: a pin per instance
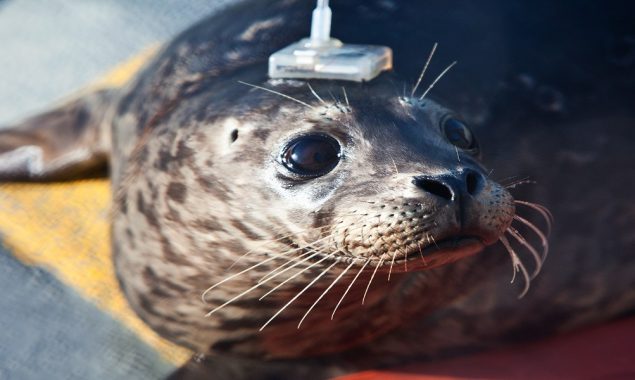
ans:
(458, 134)
(311, 155)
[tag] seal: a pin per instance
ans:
(302, 197)
(322, 225)
(258, 220)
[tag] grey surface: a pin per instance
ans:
(47, 331)
(51, 48)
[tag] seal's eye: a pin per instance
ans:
(311, 155)
(458, 134)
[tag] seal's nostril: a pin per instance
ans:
(473, 182)
(435, 187)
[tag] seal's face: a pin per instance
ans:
(384, 179)
(375, 178)
(276, 211)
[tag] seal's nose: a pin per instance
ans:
(451, 187)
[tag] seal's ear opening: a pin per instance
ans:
(67, 142)
(234, 136)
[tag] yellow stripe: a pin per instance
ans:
(64, 227)
(121, 74)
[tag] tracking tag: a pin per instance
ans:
(323, 57)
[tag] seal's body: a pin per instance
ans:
(332, 221)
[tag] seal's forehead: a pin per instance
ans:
(356, 106)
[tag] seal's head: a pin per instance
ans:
(373, 177)
(278, 208)
(285, 218)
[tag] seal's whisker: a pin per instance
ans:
(231, 300)
(235, 298)
(514, 184)
(316, 244)
(414, 89)
(204, 295)
(298, 295)
(346, 97)
(349, 287)
(517, 265)
(421, 254)
(326, 291)
(541, 235)
(231, 277)
(268, 241)
(233, 264)
(295, 260)
(537, 258)
(405, 261)
(434, 242)
(277, 93)
(292, 277)
(247, 291)
(437, 79)
(546, 214)
(336, 101)
(511, 179)
(394, 165)
(279, 269)
(392, 262)
(316, 95)
(381, 261)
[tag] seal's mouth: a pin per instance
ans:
(439, 252)
(424, 255)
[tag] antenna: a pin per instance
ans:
(323, 57)
(321, 24)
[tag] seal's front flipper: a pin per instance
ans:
(68, 142)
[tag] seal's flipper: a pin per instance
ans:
(68, 142)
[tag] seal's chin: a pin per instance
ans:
(449, 250)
